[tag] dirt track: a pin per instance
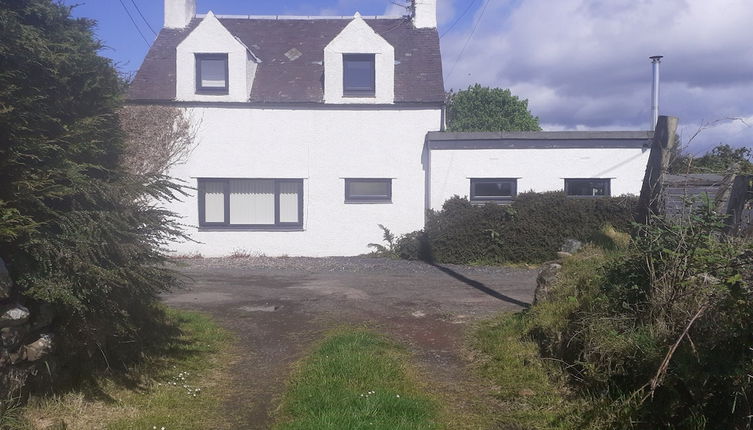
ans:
(278, 307)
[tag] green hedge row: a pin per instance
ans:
(529, 230)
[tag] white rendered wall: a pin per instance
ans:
(178, 13)
(537, 169)
(359, 38)
(322, 146)
(211, 37)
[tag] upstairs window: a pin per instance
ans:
(493, 189)
(211, 74)
(587, 187)
(358, 75)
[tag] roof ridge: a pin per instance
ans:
(302, 17)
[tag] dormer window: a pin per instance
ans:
(358, 75)
(211, 74)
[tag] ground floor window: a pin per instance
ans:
(368, 190)
(251, 203)
(587, 187)
(493, 189)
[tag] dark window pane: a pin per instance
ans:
(213, 74)
(358, 73)
(493, 189)
(587, 187)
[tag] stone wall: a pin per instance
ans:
(25, 338)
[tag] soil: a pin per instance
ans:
(278, 308)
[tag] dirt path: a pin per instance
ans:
(279, 307)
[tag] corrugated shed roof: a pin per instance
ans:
(418, 68)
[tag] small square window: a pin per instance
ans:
(368, 190)
(493, 189)
(587, 187)
(212, 73)
(358, 75)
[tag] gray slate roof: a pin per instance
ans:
(418, 69)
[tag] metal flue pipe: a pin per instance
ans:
(655, 61)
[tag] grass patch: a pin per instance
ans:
(356, 379)
(531, 390)
(179, 386)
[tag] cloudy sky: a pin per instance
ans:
(582, 64)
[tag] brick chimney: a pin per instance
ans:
(424, 13)
(178, 13)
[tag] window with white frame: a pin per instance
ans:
(587, 187)
(251, 203)
(493, 189)
(368, 190)
(212, 74)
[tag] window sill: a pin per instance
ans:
(208, 92)
(241, 228)
(368, 202)
(367, 95)
(504, 202)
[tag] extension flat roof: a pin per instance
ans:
(439, 140)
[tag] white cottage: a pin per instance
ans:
(314, 130)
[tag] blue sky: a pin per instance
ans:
(582, 64)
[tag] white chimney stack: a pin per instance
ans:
(178, 13)
(425, 13)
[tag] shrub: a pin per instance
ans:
(530, 230)
(660, 331)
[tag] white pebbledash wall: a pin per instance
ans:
(537, 169)
(323, 146)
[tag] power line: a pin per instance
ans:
(459, 18)
(142, 17)
(468, 39)
(134, 22)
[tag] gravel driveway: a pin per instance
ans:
(279, 306)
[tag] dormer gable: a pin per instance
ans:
(214, 65)
(359, 66)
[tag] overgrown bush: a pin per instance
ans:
(530, 230)
(78, 232)
(660, 331)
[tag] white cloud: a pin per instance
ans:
(584, 63)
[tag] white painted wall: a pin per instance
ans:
(322, 146)
(211, 37)
(359, 38)
(538, 169)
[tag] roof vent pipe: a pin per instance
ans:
(655, 61)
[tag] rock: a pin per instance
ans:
(13, 315)
(563, 254)
(10, 337)
(572, 246)
(544, 281)
(38, 349)
(6, 283)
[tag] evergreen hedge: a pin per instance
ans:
(529, 230)
(78, 232)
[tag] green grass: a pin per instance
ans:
(356, 379)
(179, 387)
(531, 391)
